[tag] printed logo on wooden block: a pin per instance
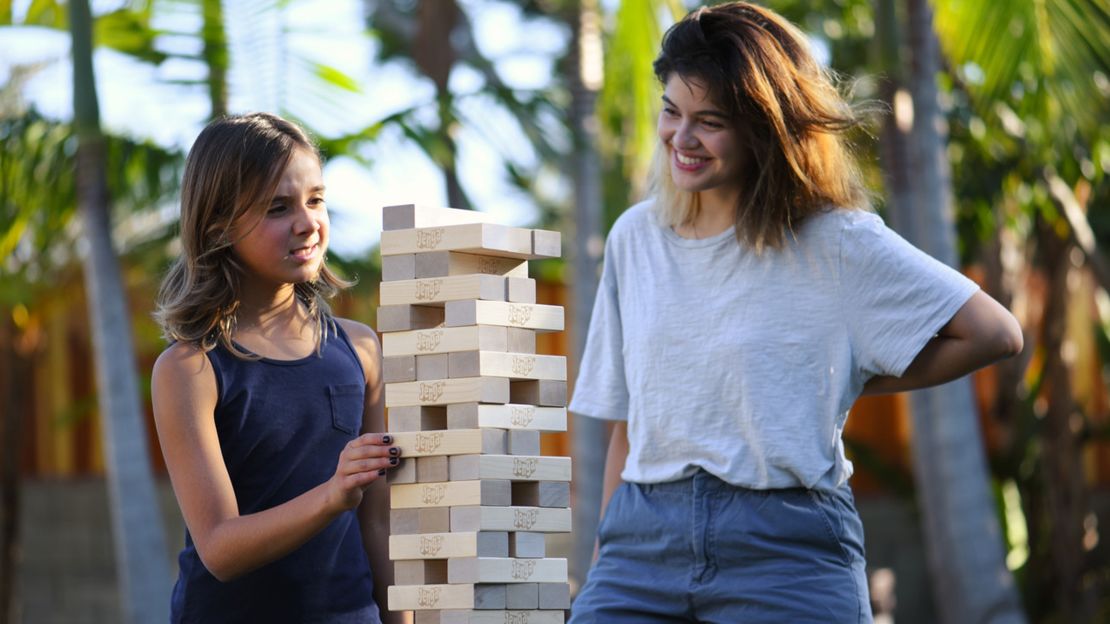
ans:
(430, 546)
(489, 265)
(428, 341)
(429, 238)
(523, 364)
(522, 415)
(525, 466)
(431, 392)
(428, 597)
(523, 569)
(525, 518)
(433, 494)
(428, 442)
(519, 314)
(428, 290)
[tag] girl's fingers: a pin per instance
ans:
(372, 439)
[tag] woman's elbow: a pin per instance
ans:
(1008, 340)
(219, 564)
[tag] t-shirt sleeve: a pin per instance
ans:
(600, 390)
(896, 296)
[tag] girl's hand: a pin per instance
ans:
(363, 461)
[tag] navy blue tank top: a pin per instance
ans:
(282, 425)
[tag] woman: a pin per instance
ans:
(741, 312)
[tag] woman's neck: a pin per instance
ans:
(716, 213)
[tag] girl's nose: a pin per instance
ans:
(306, 221)
(684, 136)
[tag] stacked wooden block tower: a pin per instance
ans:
(467, 398)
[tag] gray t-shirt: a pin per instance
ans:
(745, 365)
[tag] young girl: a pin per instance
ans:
(264, 401)
(741, 312)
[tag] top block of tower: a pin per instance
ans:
(408, 216)
(486, 239)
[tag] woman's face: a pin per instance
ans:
(287, 245)
(703, 144)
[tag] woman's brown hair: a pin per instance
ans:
(231, 173)
(758, 68)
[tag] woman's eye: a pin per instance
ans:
(669, 112)
(714, 125)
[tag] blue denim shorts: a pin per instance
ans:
(701, 550)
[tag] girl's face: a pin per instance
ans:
(287, 245)
(703, 144)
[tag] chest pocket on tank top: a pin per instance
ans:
(346, 407)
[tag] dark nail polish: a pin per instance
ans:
(381, 472)
(394, 451)
(393, 461)
(387, 439)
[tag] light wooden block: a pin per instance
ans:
(408, 317)
(511, 365)
(518, 340)
(433, 366)
(447, 263)
(409, 216)
(402, 267)
(448, 545)
(547, 244)
(544, 392)
(438, 290)
(423, 520)
(537, 494)
(526, 545)
(469, 596)
(418, 418)
(535, 519)
(434, 616)
(398, 368)
(448, 391)
(510, 416)
(420, 571)
(461, 616)
(453, 493)
(520, 290)
(487, 239)
(531, 316)
(450, 442)
(509, 467)
(403, 472)
(524, 442)
(506, 570)
(432, 469)
(448, 339)
(522, 595)
(554, 596)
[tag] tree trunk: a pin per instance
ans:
(215, 56)
(588, 434)
(11, 386)
(435, 55)
(140, 548)
(964, 543)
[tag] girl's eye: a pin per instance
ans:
(669, 112)
(317, 201)
(275, 210)
(714, 125)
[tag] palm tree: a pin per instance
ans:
(136, 523)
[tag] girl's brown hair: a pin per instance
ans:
(231, 173)
(758, 68)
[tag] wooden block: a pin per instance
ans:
(527, 545)
(547, 244)
(537, 493)
(509, 467)
(520, 290)
(425, 616)
(450, 442)
(448, 391)
(408, 317)
(448, 339)
(432, 469)
(522, 595)
(418, 418)
(510, 416)
(524, 442)
(438, 290)
(487, 239)
(402, 267)
(531, 316)
(447, 545)
(511, 365)
(476, 518)
(419, 571)
(447, 263)
(545, 392)
(554, 595)
(518, 616)
(408, 216)
(518, 340)
(424, 520)
(403, 472)
(489, 492)
(433, 366)
(398, 368)
(469, 596)
(506, 570)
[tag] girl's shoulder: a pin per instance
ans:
(181, 357)
(365, 342)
